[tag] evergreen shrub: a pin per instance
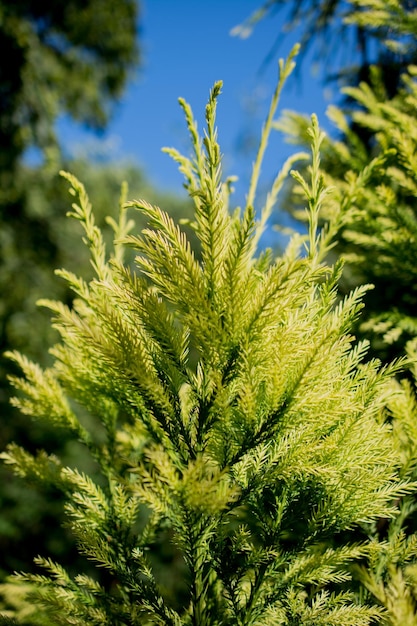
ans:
(234, 423)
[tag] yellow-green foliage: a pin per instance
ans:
(372, 212)
(372, 215)
(228, 409)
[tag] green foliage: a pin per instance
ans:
(372, 166)
(373, 171)
(227, 410)
(389, 575)
(44, 239)
(25, 276)
(61, 57)
(372, 214)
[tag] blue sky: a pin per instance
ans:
(186, 46)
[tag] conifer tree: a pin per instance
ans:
(229, 412)
(388, 577)
(372, 212)
(372, 167)
(370, 161)
(24, 278)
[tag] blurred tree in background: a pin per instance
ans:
(72, 57)
(377, 227)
